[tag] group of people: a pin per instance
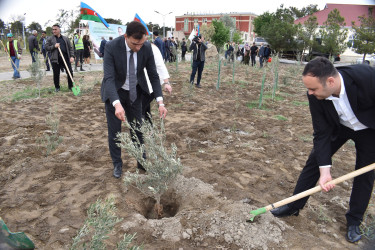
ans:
(247, 53)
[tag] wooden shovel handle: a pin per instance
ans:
(318, 188)
(66, 66)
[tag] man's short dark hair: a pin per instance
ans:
(156, 33)
(320, 67)
(56, 25)
(136, 30)
(43, 32)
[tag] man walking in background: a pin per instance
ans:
(253, 54)
(33, 45)
(43, 41)
(159, 43)
(261, 54)
(13, 47)
(183, 49)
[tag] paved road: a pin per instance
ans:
(4, 76)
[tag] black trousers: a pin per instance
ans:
(45, 54)
(79, 56)
(133, 114)
(253, 62)
(56, 71)
(197, 65)
(362, 185)
(183, 55)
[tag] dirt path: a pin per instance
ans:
(236, 159)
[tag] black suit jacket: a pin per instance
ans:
(359, 81)
(115, 69)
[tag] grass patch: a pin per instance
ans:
(305, 138)
(297, 103)
(30, 93)
(281, 118)
(255, 105)
(277, 98)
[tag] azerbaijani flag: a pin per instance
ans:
(138, 19)
(87, 13)
(198, 31)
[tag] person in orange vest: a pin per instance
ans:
(13, 47)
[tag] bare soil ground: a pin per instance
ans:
(236, 158)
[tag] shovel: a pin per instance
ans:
(76, 90)
(310, 191)
(10, 59)
(10, 240)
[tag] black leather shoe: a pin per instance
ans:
(353, 234)
(140, 167)
(284, 211)
(117, 171)
(198, 85)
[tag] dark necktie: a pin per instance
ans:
(132, 79)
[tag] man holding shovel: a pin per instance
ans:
(53, 43)
(13, 48)
(342, 107)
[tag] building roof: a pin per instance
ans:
(350, 12)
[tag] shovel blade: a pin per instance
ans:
(76, 90)
(10, 240)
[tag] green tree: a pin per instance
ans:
(35, 26)
(68, 20)
(332, 35)
(221, 34)
(228, 22)
(308, 33)
(2, 24)
(114, 21)
(364, 36)
(49, 31)
(305, 11)
(237, 38)
(16, 28)
(207, 31)
(281, 31)
(262, 21)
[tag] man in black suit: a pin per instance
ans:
(342, 106)
(124, 85)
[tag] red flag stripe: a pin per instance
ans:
(85, 11)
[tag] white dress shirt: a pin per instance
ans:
(160, 67)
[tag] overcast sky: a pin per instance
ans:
(43, 10)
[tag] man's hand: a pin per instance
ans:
(71, 59)
(162, 112)
(168, 87)
(120, 112)
(325, 176)
(57, 45)
(19, 57)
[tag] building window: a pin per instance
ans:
(195, 23)
(204, 21)
(186, 24)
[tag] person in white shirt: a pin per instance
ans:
(164, 80)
